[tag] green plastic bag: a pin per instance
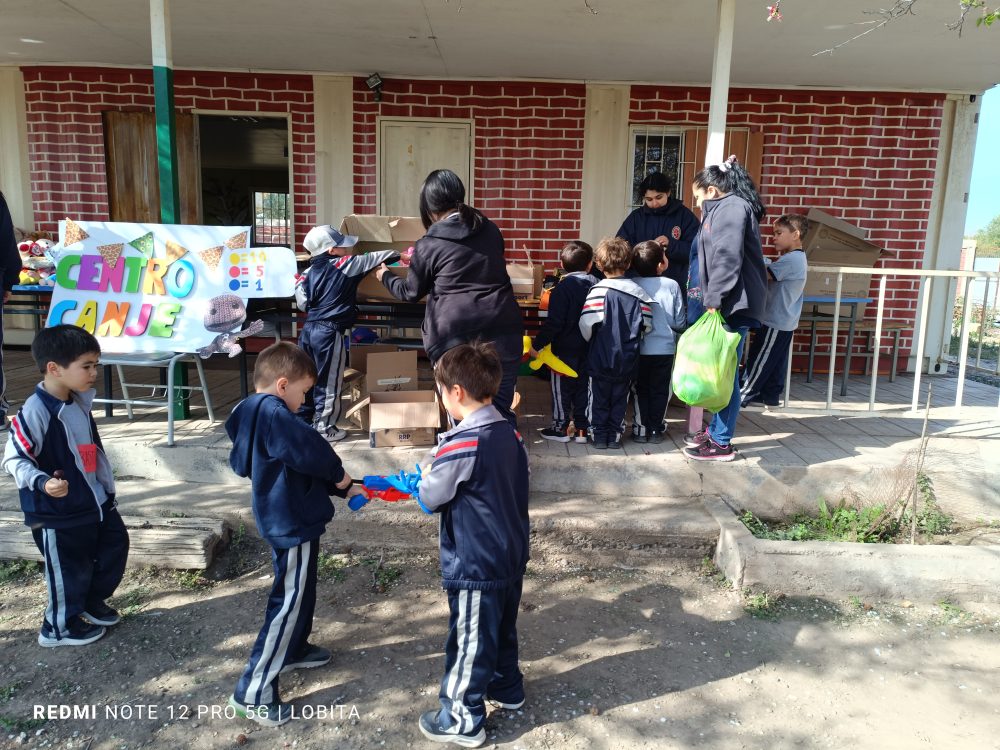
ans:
(705, 364)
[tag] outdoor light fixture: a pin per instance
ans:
(374, 83)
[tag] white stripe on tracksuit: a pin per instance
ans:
(749, 385)
(57, 587)
(458, 679)
(326, 419)
(558, 415)
(272, 657)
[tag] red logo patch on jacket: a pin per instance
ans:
(675, 233)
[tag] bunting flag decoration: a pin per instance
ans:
(74, 233)
(174, 251)
(111, 253)
(237, 241)
(212, 256)
(144, 244)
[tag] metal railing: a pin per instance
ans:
(924, 286)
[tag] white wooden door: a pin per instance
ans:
(409, 150)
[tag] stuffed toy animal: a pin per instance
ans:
(226, 313)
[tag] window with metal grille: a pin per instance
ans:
(654, 150)
(271, 219)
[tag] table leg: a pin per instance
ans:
(850, 345)
(109, 409)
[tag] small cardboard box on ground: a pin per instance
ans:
(356, 374)
(394, 412)
(833, 242)
(526, 279)
(381, 233)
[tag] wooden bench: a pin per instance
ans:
(889, 328)
(182, 543)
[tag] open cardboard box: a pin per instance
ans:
(833, 242)
(374, 232)
(403, 418)
(385, 371)
(526, 279)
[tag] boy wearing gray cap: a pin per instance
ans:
(327, 293)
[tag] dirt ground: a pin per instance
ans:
(619, 651)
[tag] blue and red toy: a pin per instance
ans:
(390, 489)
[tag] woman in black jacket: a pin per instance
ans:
(459, 266)
(10, 270)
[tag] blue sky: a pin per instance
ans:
(984, 197)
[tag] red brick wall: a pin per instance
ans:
(66, 136)
(528, 152)
(868, 158)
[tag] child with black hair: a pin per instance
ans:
(732, 279)
(478, 482)
(656, 353)
(764, 376)
(67, 489)
(562, 330)
(616, 315)
(664, 220)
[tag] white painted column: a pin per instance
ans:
(946, 221)
(333, 105)
(15, 179)
(603, 199)
(719, 101)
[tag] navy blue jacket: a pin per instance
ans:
(463, 274)
(562, 326)
(40, 444)
(328, 290)
(676, 222)
(616, 315)
(292, 469)
(478, 482)
(10, 258)
(730, 261)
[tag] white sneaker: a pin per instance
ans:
(336, 435)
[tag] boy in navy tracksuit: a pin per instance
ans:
(616, 315)
(293, 471)
(68, 490)
(478, 482)
(562, 331)
(327, 292)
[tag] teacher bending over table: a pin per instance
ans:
(459, 266)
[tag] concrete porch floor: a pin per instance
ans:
(786, 462)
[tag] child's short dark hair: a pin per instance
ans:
(476, 367)
(282, 360)
(613, 255)
(62, 344)
(795, 223)
(576, 256)
(648, 257)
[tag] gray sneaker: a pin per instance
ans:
(336, 435)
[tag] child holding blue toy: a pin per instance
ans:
(478, 482)
(293, 472)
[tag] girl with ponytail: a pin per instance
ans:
(731, 277)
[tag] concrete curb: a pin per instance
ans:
(839, 570)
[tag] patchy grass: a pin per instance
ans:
(383, 576)
(132, 602)
(761, 604)
(192, 580)
(16, 571)
(332, 567)
(7, 691)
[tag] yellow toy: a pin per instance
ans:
(546, 357)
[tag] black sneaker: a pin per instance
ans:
(313, 656)
(614, 445)
(508, 706)
(431, 727)
(711, 451)
(656, 437)
(640, 438)
(550, 433)
(271, 715)
(79, 633)
(695, 439)
(100, 613)
(601, 445)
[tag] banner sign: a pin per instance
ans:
(162, 287)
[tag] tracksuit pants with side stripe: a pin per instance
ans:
(764, 376)
(650, 394)
(287, 623)
(480, 655)
(83, 566)
(569, 400)
(608, 401)
(326, 345)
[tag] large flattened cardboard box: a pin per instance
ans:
(381, 233)
(403, 418)
(833, 242)
(526, 280)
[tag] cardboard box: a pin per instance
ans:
(387, 370)
(406, 418)
(834, 242)
(381, 233)
(371, 288)
(526, 279)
